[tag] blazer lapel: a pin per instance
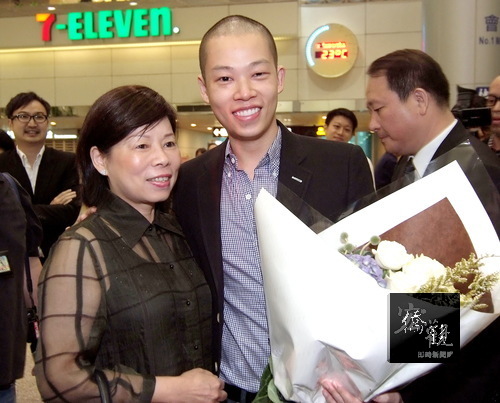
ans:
(457, 135)
(17, 170)
(209, 193)
(293, 176)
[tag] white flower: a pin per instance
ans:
(415, 274)
(391, 255)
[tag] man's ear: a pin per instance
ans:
(422, 98)
(203, 89)
(281, 78)
(98, 159)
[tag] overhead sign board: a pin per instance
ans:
(108, 24)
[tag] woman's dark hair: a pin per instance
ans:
(110, 119)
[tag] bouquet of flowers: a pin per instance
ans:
(394, 268)
(327, 318)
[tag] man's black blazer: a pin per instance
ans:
(475, 377)
(458, 135)
(327, 175)
(57, 173)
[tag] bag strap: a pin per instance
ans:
(29, 283)
(103, 385)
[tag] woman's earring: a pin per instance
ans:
(104, 172)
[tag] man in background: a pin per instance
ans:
(49, 176)
(340, 125)
(215, 193)
(409, 101)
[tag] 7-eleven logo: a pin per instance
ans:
(48, 20)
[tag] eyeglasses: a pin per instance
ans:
(491, 100)
(25, 118)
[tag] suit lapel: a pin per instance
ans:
(209, 194)
(17, 170)
(457, 135)
(293, 175)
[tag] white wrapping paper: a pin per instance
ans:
(326, 317)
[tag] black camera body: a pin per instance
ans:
(473, 117)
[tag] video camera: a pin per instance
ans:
(471, 109)
(473, 117)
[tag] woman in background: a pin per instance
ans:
(122, 302)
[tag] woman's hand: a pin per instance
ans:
(194, 386)
(335, 393)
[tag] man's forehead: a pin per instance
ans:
(32, 104)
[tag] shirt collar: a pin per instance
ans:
(130, 224)
(424, 156)
(24, 158)
(271, 158)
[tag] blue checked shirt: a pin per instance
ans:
(245, 336)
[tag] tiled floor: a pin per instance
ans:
(26, 389)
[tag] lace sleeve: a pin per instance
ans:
(72, 322)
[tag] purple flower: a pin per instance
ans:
(369, 266)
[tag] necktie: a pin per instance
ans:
(409, 166)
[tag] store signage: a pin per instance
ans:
(108, 24)
(331, 50)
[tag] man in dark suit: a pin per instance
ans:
(48, 175)
(216, 191)
(408, 98)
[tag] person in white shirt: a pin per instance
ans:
(48, 175)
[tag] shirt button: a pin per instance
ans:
(188, 302)
(233, 160)
(172, 266)
(218, 317)
(196, 347)
(150, 228)
(248, 197)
